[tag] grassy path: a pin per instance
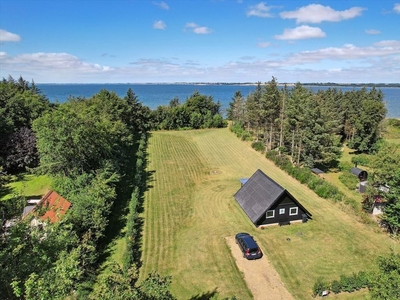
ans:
(190, 210)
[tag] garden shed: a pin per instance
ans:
(361, 174)
(266, 202)
(317, 171)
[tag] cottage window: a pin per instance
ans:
(270, 214)
(281, 211)
(293, 211)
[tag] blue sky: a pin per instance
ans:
(139, 41)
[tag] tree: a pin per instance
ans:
(297, 115)
(253, 110)
(270, 110)
(21, 150)
(236, 109)
(366, 127)
(386, 284)
(80, 135)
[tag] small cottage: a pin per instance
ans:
(52, 207)
(265, 202)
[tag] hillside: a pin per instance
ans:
(190, 211)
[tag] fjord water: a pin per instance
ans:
(153, 95)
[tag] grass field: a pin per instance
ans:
(190, 209)
(28, 185)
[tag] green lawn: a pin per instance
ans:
(190, 209)
(30, 186)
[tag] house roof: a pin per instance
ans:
(259, 194)
(55, 206)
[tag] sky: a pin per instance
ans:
(140, 41)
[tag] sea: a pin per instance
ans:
(154, 95)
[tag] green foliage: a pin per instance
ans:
(349, 180)
(20, 104)
(321, 187)
(345, 166)
(199, 111)
(361, 159)
(156, 287)
(366, 111)
(319, 286)
(394, 123)
(80, 135)
(386, 283)
(351, 283)
(258, 146)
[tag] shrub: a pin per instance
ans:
(349, 180)
(336, 287)
(319, 286)
(345, 166)
(258, 146)
(361, 159)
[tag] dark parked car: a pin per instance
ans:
(248, 246)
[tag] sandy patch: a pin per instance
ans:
(261, 278)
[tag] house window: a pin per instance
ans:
(270, 214)
(281, 211)
(293, 211)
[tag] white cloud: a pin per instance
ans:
(161, 5)
(348, 63)
(6, 36)
(49, 63)
(301, 33)
(259, 10)
(388, 43)
(347, 52)
(316, 13)
(263, 44)
(372, 31)
(396, 8)
(159, 25)
(198, 29)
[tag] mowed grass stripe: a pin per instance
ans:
(172, 192)
(202, 168)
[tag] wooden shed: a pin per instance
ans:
(361, 174)
(266, 202)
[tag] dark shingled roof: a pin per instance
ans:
(258, 194)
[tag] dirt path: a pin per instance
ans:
(261, 278)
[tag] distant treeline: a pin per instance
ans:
(333, 84)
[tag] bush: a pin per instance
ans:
(361, 159)
(258, 146)
(349, 180)
(319, 286)
(345, 166)
(336, 287)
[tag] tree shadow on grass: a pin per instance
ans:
(205, 295)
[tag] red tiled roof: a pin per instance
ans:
(55, 206)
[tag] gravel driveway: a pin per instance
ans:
(261, 278)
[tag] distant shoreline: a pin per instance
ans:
(329, 84)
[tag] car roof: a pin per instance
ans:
(250, 242)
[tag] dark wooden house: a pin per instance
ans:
(361, 174)
(266, 202)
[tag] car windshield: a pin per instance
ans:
(253, 250)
